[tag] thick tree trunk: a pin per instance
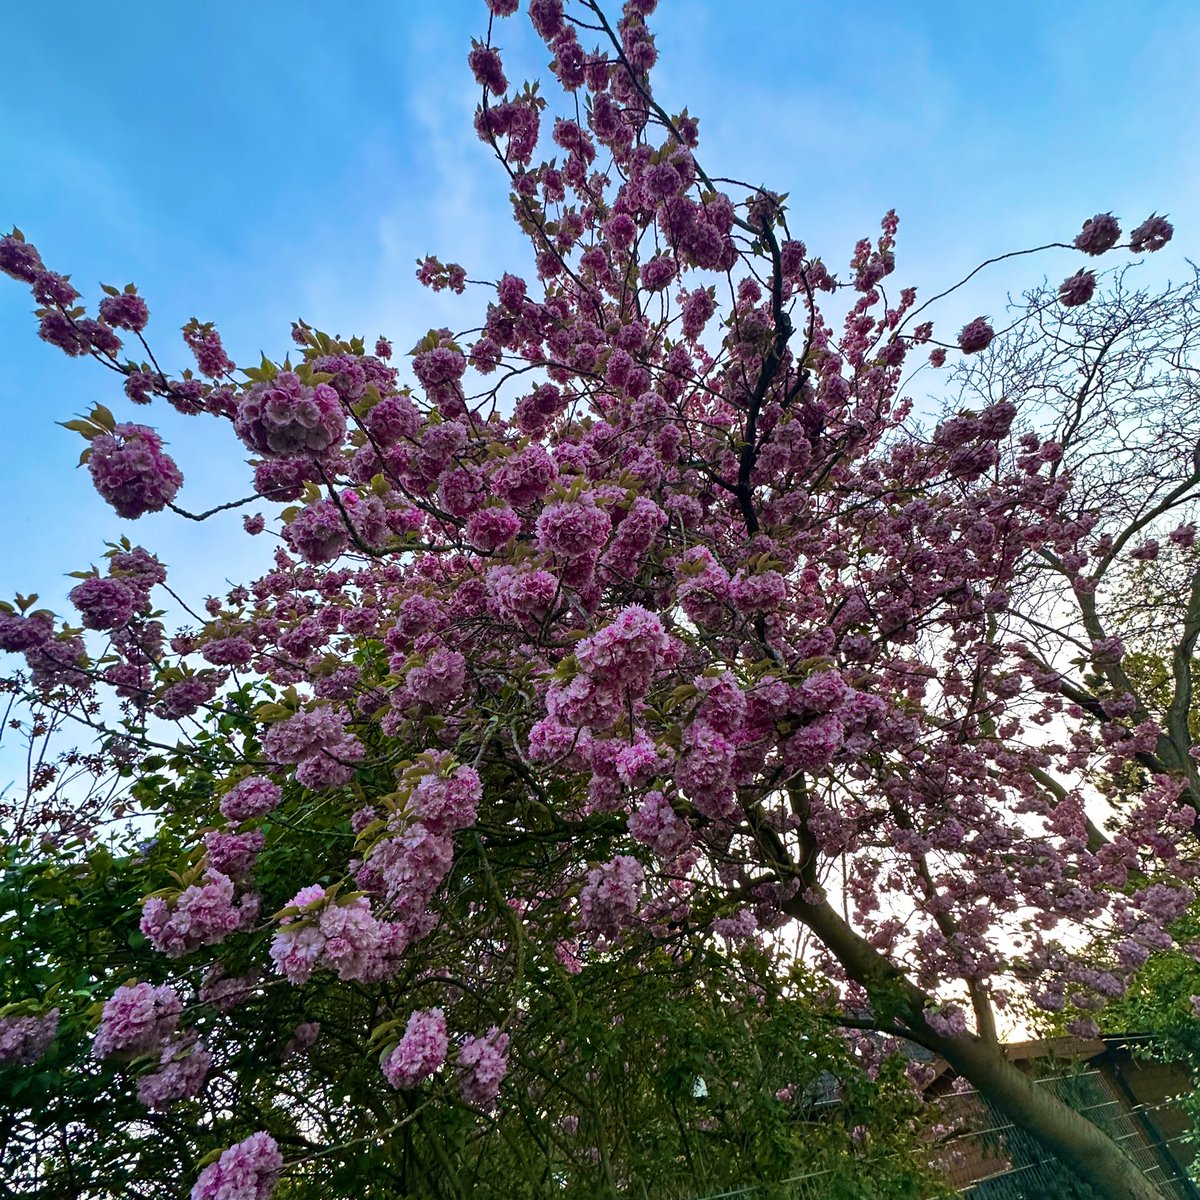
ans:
(1093, 1155)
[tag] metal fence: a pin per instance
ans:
(1027, 1171)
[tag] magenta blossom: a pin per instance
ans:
(246, 1171)
(131, 472)
(420, 1052)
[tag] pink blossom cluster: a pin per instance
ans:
(440, 371)
(125, 311)
(526, 477)
(439, 680)
(105, 603)
(655, 824)
(316, 740)
(407, 868)
(628, 651)
(489, 529)
(1099, 234)
(130, 470)
(420, 1052)
(522, 598)
(232, 854)
(248, 1170)
(252, 797)
(704, 771)
(182, 1069)
(24, 1038)
(947, 1020)
(187, 696)
(205, 343)
(19, 633)
(443, 798)
(617, 665)
(637, 532)
(737, 928)
(609, 900)
(203, 914)
(573, 529)
(618, 764)
(482, 1065)
(345, 937)
(287, 417)
(322, 531)
(137, 1019)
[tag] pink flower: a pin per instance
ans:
(440, 680)
(185, 697)
(704, 770)
(628, 651)
(232, 854)
(949, 1020)
(295, 952)
(522, 596)
(104, 603)
(137, 1020)
(317, 741)
(411, 866)
(205, 343)
(444, 804)
(1099, 233)
(975, 336)
(813, 746)
(484, 62)
(286, 417)
(420, 1052)
(1077, 289)
(489, 529)
(655, 824)
(610, 897)
(201, 915)
(482, 1065)
(254, 796)
(658, 272)
(18, 634)
(246, 1171)
(131, 472)
(126, 311)
(318, 534)
(24, 1039)
(21, 260)
(182, 1070)
(351, 938)
(736, 928)
(762, 592)
(573, 529)
(1151, 235)
(392, 420)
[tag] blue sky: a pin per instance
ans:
(250, 163)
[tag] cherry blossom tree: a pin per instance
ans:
(648, 612)
(691, 1069)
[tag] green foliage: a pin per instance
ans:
(676, 1071)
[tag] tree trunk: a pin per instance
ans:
(1093, 1155)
